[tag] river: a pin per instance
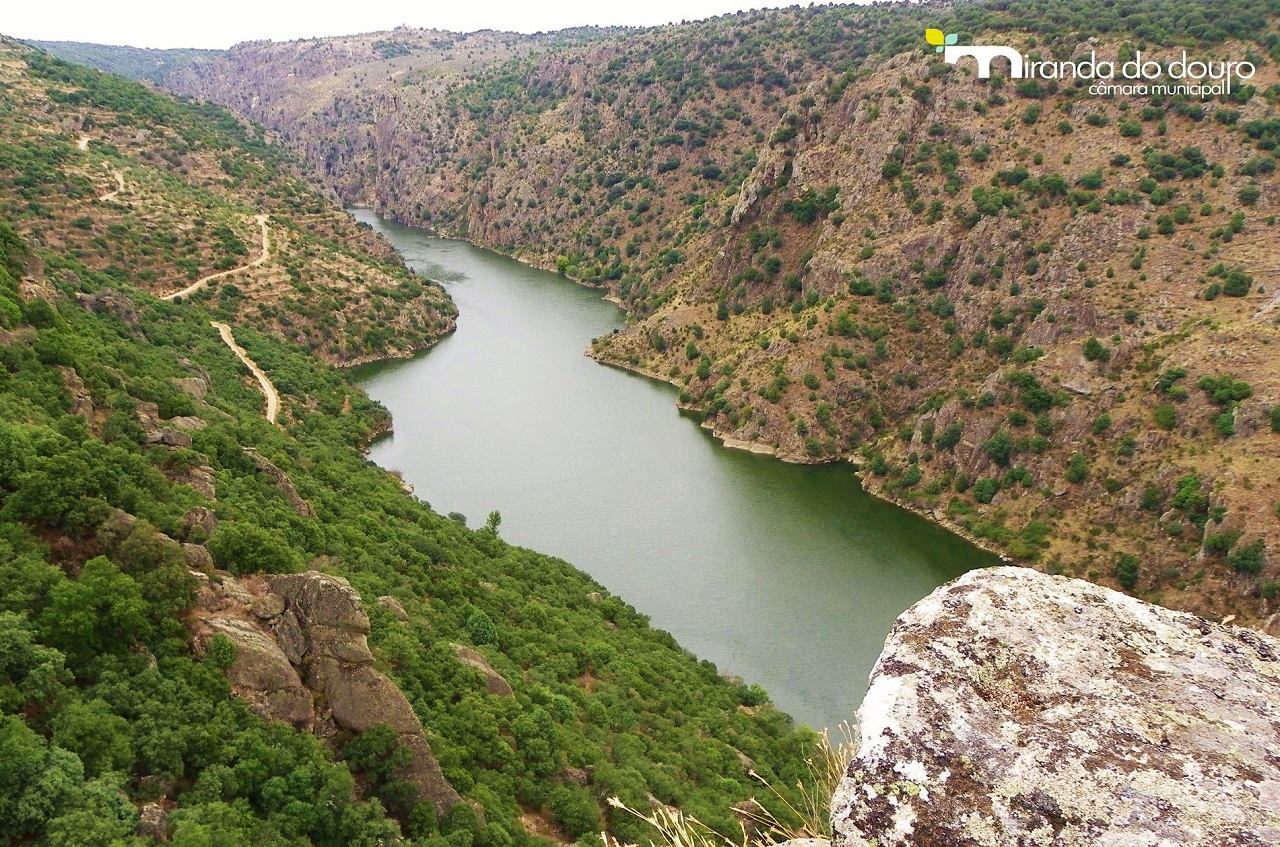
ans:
(789, 576)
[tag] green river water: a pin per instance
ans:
(789, 576)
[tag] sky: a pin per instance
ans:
(221, 23)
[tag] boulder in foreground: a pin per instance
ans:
(1014, 708)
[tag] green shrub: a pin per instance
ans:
(1127, 570)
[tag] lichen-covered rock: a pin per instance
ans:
(153, 822)
(320, 599)
(302, 657)
(280, 480)
(81, 399)
(198, 557)
(288, 635)
(338, 666)
(360, 697)
(393, 606)
(1014, 708)
(268, 606)
(261, 674)
(199, 523)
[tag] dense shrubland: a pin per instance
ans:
(104, 706)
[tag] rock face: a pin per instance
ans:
(1011, 708)
(495, 682)
(302, 657)
(281, 480)
(263, 676)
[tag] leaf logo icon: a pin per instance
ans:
(938, 38)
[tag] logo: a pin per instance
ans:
(946, 45)
(1193, 77)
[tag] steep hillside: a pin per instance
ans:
(1041, 315)
(162, 196)
(216, 630)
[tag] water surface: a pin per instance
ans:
(789, 576)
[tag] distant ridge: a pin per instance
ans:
(136, 63)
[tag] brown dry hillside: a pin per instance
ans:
(1044, 317)
(159, 197)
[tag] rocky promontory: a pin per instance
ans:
(302, 657)
(1015, 708)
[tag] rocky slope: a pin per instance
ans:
(1041, 316)
(1011, 707)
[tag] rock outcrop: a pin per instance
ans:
(262, 675)
(281, 481)
(393, 606)
(302, 657)
(1014, 708)
(495, 682)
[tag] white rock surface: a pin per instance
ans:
(1014, 708)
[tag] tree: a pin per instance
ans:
(246, 548)
(378, 752)
(93, 732)
(1077, 468)
(36, 782)
(1248, 558)
(481, 628)
(1127, 570)
(101, 612)
(29, 672)
(1000, 448)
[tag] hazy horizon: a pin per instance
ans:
(152, 24)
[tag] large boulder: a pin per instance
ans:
(262, 675)
(1010, 707)
(322, 600)
(331, 643)
(302, 657)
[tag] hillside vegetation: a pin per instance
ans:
(136, 63)
(153, 193)
(1044, 317)
(136, 465)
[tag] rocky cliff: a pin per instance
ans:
(302, 657)
(1010, 707)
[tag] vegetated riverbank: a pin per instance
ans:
(731, 442)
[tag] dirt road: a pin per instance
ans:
(204, 281)
(268, 390)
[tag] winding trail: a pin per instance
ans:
(204, 281)
(111, 195)
(269, 390)
(83, 144)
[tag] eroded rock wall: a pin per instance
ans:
(302, 657)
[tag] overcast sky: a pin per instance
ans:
(221, 23)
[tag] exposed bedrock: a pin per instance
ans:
(1015, 708)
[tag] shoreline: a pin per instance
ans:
(733, 443)
(726, 441)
